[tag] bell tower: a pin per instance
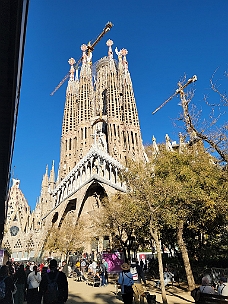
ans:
(100, 111)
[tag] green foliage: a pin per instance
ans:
(122, 217)
(189, 187)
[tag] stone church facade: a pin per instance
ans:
(100, 131)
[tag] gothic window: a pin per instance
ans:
(136, 139)
(81, 133)
(132, 138)
(114, 128)
(104, 99)
(70, 144)
(128, 140)
(124, 138)
(85, 132)
(75, 143)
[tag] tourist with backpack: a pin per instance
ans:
(54, 285)
(7, 287)
(126, 282)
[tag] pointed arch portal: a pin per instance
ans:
(92, 199)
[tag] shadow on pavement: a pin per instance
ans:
(180, 297)
(96, 298)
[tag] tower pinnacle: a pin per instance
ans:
(109, 43)
(71, 61)
(124, 52)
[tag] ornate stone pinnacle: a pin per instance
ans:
(109, 42)
(83, 47)
(124, 52)
(71, 61)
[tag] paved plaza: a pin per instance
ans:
(80, 292)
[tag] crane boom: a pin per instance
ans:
(90, 48)
(107, 28)
(165, 102)
(179, 90)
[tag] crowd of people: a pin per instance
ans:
(208, 287)
(97, 269)
(33, 283)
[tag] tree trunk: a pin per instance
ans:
(154, 234)
(185, 257)
(125, 254)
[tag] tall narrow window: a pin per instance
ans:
(132, 138)
(136, 139)
(114, 128)
(85, 132)
(81, 133)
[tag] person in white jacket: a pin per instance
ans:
(223, 287)
(33, 281)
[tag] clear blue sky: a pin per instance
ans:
(165, 40)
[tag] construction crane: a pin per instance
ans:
(90, 48)
(180, 91)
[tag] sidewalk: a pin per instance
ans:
(80, 292)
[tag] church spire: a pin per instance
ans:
(44, 186)
(104, 101)
(52, 177)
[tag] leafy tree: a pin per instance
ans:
(67, 238)
(139, 178)
(123, 218)
(52, 240)
(198, 195)
(185, 190)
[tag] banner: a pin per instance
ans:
(114, 260)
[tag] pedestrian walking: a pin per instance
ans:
(20, 281)
(126, 281)
(33, 280)
(65, 268)
(54, 285)
(6, 279)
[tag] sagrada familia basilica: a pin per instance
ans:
(100, 131)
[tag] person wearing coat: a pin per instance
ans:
(61, 281)
(9, 285)
(20, 281)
